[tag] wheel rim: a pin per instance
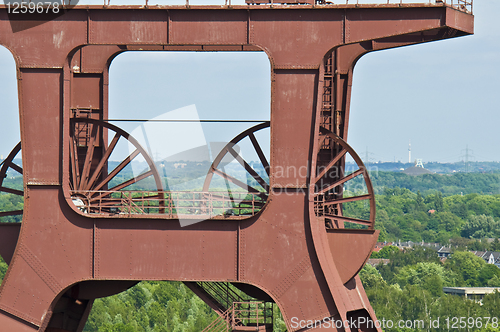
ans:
(8, 164)
(89, 177)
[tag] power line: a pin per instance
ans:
(467, 157)
(184, 120)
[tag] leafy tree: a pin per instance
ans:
(467, 265)
(3, 269)
(438, 202)
(433, 284)
(495, 245)
(480, 227)
(487, 272)
(477, 245)
(419, 202)
(385, 252)
(492, 302)
(424, 274)
(370, 277)
(493, 282)
(449, 222)
(400, 259)
(460, 243)
(150, 307)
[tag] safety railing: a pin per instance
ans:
(250, 313)
(222, 292)
(463, 5)
(220, 324)
(172, 204)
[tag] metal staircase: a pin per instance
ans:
(237, 311)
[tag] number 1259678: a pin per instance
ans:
(33, 7)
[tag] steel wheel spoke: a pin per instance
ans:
(132, 181)
(76, 166)
(261, 155)
(349, 219)
(12, 191)
(341, 181)
(249, 169)
(72, 166)
(103, 161)
(236, 181)
(117, 169)
(348, 199)
(11, 213)
(16, 167)
(330, 165)
(88, 159)
(122, 185)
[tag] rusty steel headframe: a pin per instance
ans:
(293, 249)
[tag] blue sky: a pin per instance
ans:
(441, 95)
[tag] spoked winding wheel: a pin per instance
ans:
(229, 152)
(350, 246)
(329, 187)
(7, 165)
(93, 188)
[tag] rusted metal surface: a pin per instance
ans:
(303, 259)
(10, 234)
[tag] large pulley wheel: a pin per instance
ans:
(94, 189)
(350, 238)
(329, 193)
(8, 165)
(229, 152)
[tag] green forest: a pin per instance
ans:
(410, 289)
(461, 210)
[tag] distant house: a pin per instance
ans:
(380, 245)
(432, 245)
(490, 257)
(405, 244)
(444, 252)
(479, 254)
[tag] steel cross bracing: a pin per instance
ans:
(293, 249)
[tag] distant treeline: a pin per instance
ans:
(405, 215)
(462, 166)
(447, 184)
